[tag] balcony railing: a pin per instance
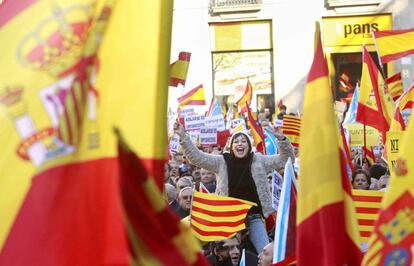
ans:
(232, 6)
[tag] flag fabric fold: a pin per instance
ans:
(245, 99)
(179, 69)
(395, 86)
(325, 211)
(257, 133)
(350, 116)
(216, 217)
(193, 97)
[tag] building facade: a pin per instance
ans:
(271, 43)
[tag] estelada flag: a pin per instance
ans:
(326, 224)
(393, 44)
(374, 111)
(395, 86)
(193, 97)
(393, 236)
(60, 203)
(179, 69)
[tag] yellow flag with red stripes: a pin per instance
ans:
(392, 240)
(393, 44)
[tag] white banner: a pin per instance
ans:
(216, 121)
(208, 136)
(187, 111)
(194, 122)
(174, 145)
(277, 181)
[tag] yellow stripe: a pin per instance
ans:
(373, 249)
(367, 216)
(368, 228)
(186, 244)
(180, 69)
(373, 193)
(395, 44)
(350, 220)
(210, 196)
(154, 195)
(366, 204)
(218, 219)
(222, 208)
(227, 229)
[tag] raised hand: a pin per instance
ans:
(179, 130)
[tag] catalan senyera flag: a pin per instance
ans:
(257, 132)
(291, 128)
(325, 212)
(393, 236)
(245, 99)
(367, 206)
(374, 111)
(179, 69)
(193, 97)
(406, 100)
(393, 44)
(215, 217)
(150, 222)
(60, 203)
(395, 86)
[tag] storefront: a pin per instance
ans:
(343, 38)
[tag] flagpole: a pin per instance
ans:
(365, 144)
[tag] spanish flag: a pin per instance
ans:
(393, 236)
(245, 99)
(395, 86)
(193, 97)
(406, 100)
(397, 123)
(60, 203)
(326, 224)
(256, 132)
(374, 111)
(179, 69)
(393, 44)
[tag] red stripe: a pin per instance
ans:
(9, 9)
(367, 210)
(391, 57)
(368, 116)
(290, 132)
(190, 93)
(219, 213)
(214, 233)
(184, 56)
(367, 198)
(237, 203)
(366, 222)
(319, 66)
(394, 78)
(71, 216)
(365, 233)
(388, 33)
(290, 128)
(216, 224)
(175, 81)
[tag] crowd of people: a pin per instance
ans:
(237, 171)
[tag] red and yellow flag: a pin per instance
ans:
(157, 236)
(193, 97)
(397, 123)
(406, 100)
(60, 203)
(245, 99)
(374, 111)
(394, 44)
(215, 217)
(256, 132)
(395, 86)
(179, 69)
(291, 128)
(393, 236)
(326, 225)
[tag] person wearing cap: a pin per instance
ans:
(241, 174)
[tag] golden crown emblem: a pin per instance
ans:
(55, 45)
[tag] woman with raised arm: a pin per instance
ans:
(241, 173)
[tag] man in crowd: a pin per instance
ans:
(266, 256)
